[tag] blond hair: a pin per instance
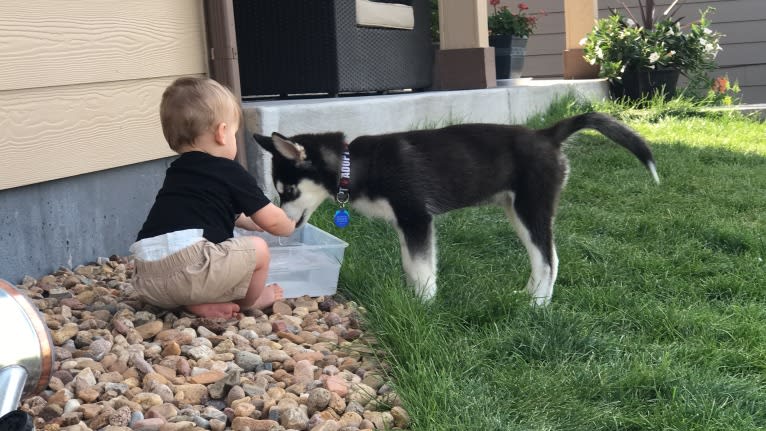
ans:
(192, 106)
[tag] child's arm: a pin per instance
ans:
(247, 223)
(273, 220)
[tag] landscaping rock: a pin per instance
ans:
(121, 364)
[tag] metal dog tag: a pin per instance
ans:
(341, 218)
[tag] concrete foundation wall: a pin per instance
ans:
(75, 220)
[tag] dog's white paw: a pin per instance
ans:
(541, 301)
(426, 292)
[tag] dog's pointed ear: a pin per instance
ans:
(264, 142)
(287, 148)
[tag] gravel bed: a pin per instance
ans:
(121, 364)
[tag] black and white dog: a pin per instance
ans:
(407, 178)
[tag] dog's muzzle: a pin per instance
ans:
(301, 220)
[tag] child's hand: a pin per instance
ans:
(273, 220)
(247, 223)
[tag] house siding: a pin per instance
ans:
(81, 82)
(743, 58)
(82, 153)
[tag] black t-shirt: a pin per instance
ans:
(203, 192)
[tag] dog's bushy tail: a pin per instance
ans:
(609, 127)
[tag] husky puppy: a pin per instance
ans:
(407, 178)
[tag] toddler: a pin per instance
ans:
(185, 255)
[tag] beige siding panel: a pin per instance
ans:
(752, 80)
(743, 31)
(553, 23)
(754, 75)
(754, 94)
(742, 54)
(534, 5)
(543, 66)
(544, 44)
(50, 133)
(51, 42)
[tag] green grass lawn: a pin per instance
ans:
(658, 318)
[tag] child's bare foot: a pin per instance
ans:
(226, 310)
(271, 294)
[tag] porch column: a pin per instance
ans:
(464, 59)
(579, 18)
(223, 58)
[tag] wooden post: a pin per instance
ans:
(223, 58)
(463, 24)
(464, 59)
(579, 18)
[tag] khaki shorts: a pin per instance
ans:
(201, 273)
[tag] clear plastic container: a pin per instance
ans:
(305, 263)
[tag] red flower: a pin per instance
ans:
(504, 22)
(720, 84)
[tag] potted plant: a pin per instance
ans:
(640, 60)
(508, 34)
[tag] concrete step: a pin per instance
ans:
(363, 115)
